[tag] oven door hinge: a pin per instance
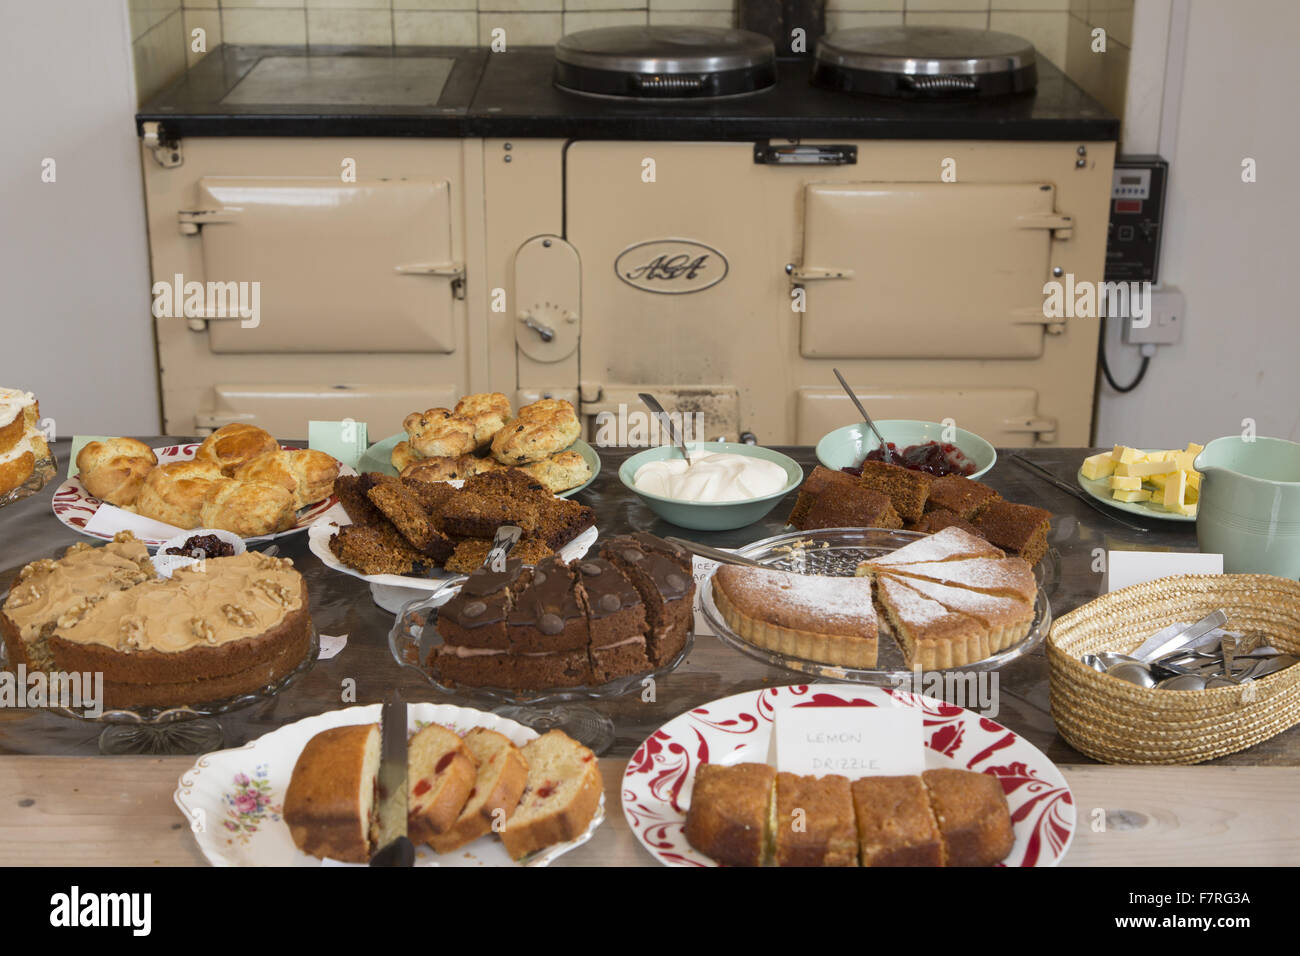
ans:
(801, 274)
(166, 152)
(447, 270)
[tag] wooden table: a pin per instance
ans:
(62, 802)
(89, 811)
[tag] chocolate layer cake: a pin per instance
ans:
(561, 625)
(666, 590)
(615, 620)
(545, 614)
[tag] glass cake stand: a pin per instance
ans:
(837, 552)
(415, 635)
(43, 472)
(185, 729)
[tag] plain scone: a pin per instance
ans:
(561, 797)
(330, 804)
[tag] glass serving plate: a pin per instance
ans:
(184, 729)
(837, 552)
(414, 636)
(43, 472)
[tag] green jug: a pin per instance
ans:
(1249, 506)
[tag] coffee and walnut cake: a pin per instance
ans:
(560, 624)
(222, 627)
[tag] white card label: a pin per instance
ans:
(1126, 568)
(851, 741)
(702, 568)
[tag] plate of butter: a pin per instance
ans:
(1156, 483)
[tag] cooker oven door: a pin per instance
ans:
(341, 267)
(926, 270)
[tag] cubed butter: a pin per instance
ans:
(1175, 490)
(1185, 509)
(1158, 480)
(1193, 495)
(1194, 449)
(1132, 496)
(1098, 466)
(1124, 455)
(1194, 480)
(1145, 469)
(1125, 482)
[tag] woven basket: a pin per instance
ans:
(1117, 722)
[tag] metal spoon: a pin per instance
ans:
(884, 445)
(714, 554)
(657, 410)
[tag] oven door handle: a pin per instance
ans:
(800, 274)
(450, 270)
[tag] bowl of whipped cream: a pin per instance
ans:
(726, 485)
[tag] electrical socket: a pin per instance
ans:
(1164, 320)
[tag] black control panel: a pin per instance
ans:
(1137, 207)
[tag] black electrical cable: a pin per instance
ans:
(1110, 379)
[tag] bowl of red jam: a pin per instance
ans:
(934, 448)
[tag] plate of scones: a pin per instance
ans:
(700, 792)
(482, 434)
(483, 790)
(239, 479)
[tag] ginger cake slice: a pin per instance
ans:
(827, 619)
(907, 489)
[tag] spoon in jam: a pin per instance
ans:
(884, 445)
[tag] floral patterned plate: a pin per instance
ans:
(233, 799)
(737, 729)
(75, 506)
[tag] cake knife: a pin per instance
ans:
(715, 554)
(1088, 500)
(396, 849)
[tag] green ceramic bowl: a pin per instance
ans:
(711, 515)
(846, 447)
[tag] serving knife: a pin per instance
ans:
(1069, 489)
(715, 554)
(395, 848)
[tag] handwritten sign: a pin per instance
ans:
(851, 741)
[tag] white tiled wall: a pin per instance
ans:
(162, 30)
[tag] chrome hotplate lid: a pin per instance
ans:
(665, 61)
(901, 61)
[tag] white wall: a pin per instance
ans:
(74, 271)
(1230, 246)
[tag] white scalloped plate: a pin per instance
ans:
(232, 799)
(74, 505)
(659, 777)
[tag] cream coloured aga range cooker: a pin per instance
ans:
(642, 224)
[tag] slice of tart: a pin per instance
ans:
(1007, 618)
(950, 544)
(931, 636)
(827, 619)
(1009, 577)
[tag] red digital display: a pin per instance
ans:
(1128, 205)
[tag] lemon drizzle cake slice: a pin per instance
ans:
(827, 619)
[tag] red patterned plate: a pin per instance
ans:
(658, 780)
(74, 506)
